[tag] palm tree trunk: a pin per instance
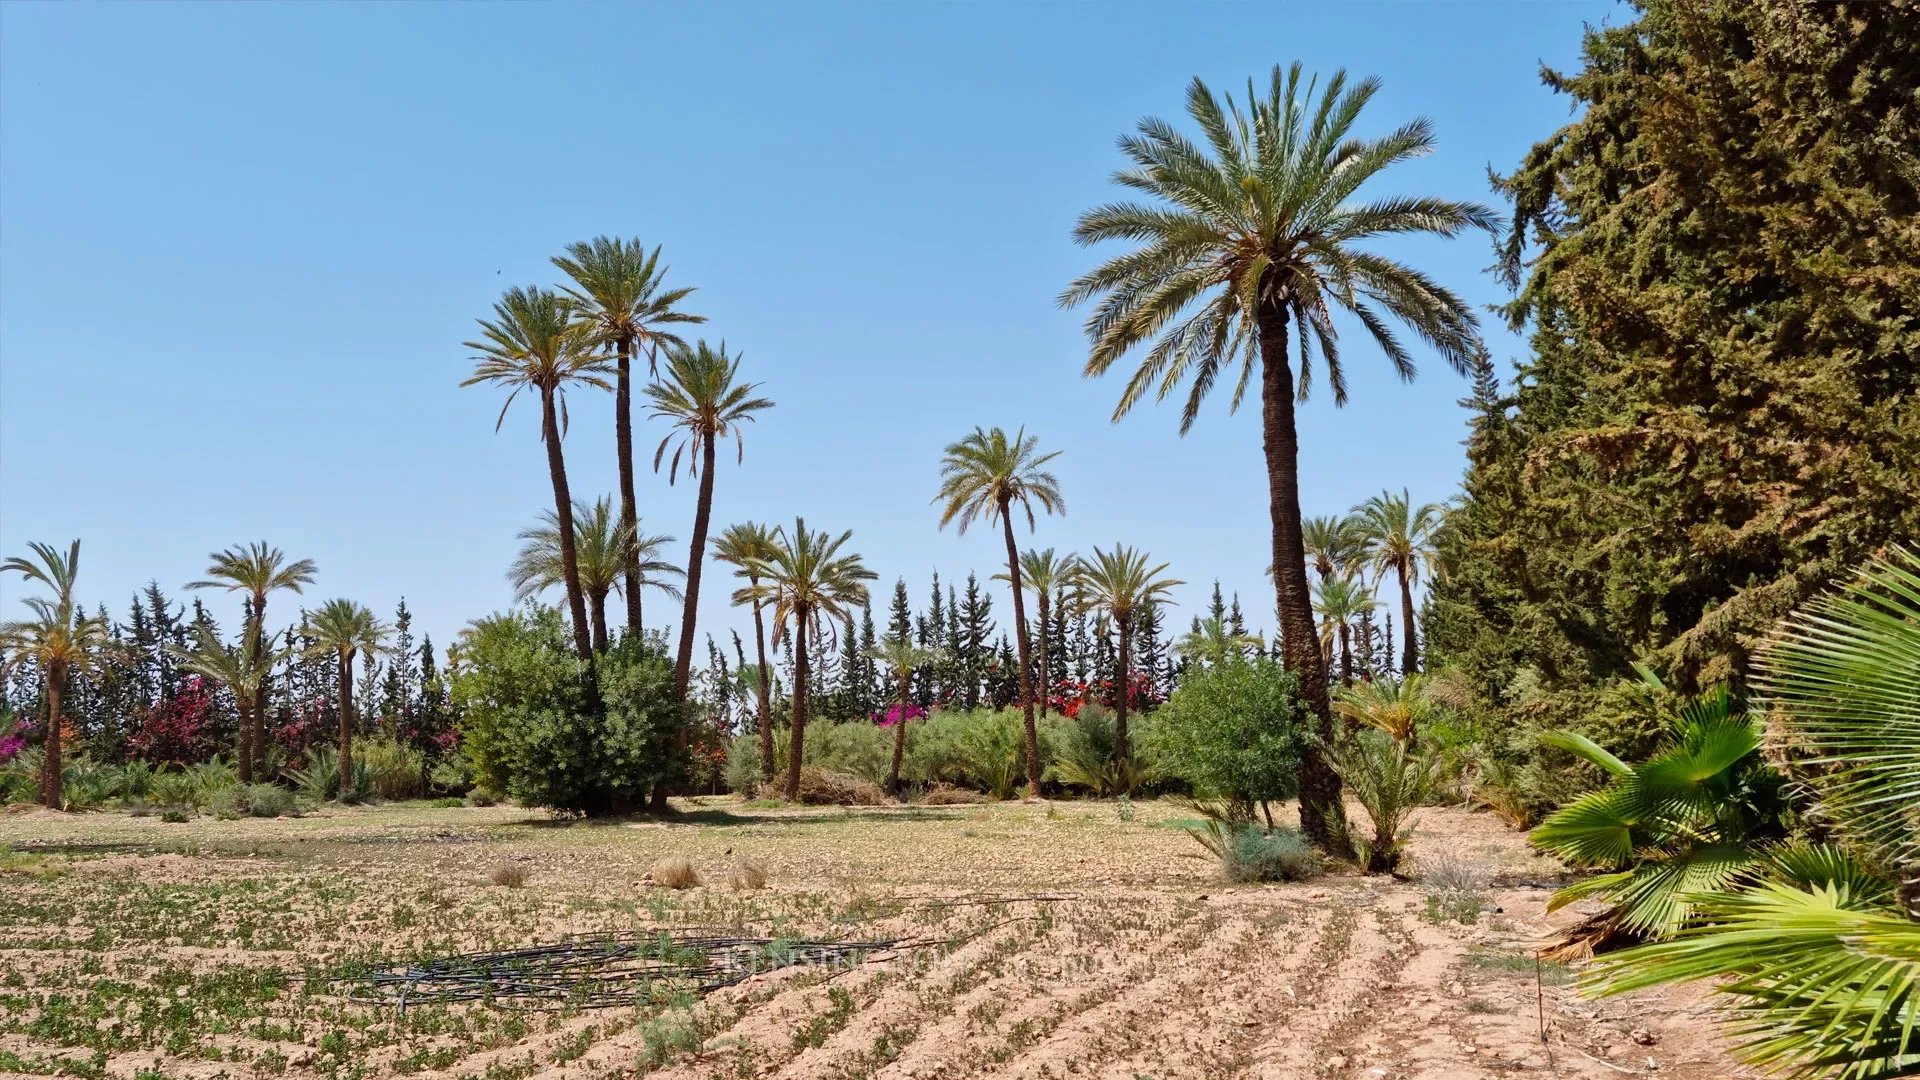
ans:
(900, 734)
(1346, 656)
(50, 769)
(766, 689)
(599, 610)
(255, 732)
(696, 554)
(1124, 664)
(346, 722)
(1410, 651)
(246, 737)
(1020, 638)
(1040, 659)
(623, 449)
(1320, 806)
(798, 746)
(563, 508)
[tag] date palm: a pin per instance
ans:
(1246, 247)
(1340, 602)
(346, 630)
(601, 546)
(807, 581)
(61, 639)
(745, 545)
(901, 657)
(1043, 572)
(244, 672)
(1334, 545)
(258, 570)
(1213, 641)
(1399, 536)
(1118, 584)
(699, 396)
(619, 288)
(535, 341)
(985, 475)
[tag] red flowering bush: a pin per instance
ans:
(892, 715)
(174, 732)
(1067, 696)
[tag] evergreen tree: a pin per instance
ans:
(955, 688)
(976, 628)
(1149, 650)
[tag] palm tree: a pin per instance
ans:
(744, 546)
(699, 397)
(257, 570)
(61, 639)
(1118, 584)
(601, 546)
(1042, 572)
(618, 288)
(534, 340)
(244, 672)
(805, 579)
(346, 630)
(1260, 230)
(1399, 536)
(1334, 545)
(902, 658)
(1340, 602)
(984, 475)
(1395, 706)
(1213, 641)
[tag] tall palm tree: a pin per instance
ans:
(1340, 601)
(1118, 584)
(1399, 536)
(902, 658)
(618, 287)
(1334, 545)
(534, 340)
(258, 570)
(805, 579)
(985, 475)
(346, 629)
(244, 672)
(1043, 572)
(698, 395)
(745, 546)
(601, 546)
(61, 639)
(1261, 231)
(1213, 641)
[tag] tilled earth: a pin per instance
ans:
(1036, 941)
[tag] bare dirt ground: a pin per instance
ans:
(132, 948)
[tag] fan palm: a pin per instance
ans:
(1340, 602)
(806, 579)
(601, 547)
(534, 340)
(984, 476)
(258, 570)
(346, 630)
(744, 546)
(1259, 230)
(1118, 584)
(1043, 572)
(1822, 956)
(1212, 641)
(1334, 545)
(901, 657)
(698, 395)
(619, 288)
(243, 671)
(61, 639)
(1399, 536)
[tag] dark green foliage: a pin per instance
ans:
(530, 732)
(1721, 411)
(1235, 730)
(1249, 854)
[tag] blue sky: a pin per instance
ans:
(240, 246)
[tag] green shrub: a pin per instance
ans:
(87, 785)
(1234, 730)
(530, 733)
(1081, 751)
(174, 791)
(1390, 780)
(1249, 854)
(253, 800)
(855, 747)
(394, 770)
(743, 764)
(452, 774)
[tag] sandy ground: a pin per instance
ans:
(133, 948)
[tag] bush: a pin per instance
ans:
(856, 747)
(674, 872)
(819, 787)
(253, 800)
(1248, 854)
(530, 734)
(320, 780)
(509, 875)
(743, 764)
(941, 793)
(452, 775)
(1082, 753)
(1236, 731)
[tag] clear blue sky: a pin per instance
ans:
(240, 245)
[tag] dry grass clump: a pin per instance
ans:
(945, 794)
(748, 876)
(819, 787)
(674, 872)
(510, 875)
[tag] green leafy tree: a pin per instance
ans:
(1118, 583)
(61, 639)
(1234, 730)
(343, 630)
(1250, 242)
(257, 570)
(1396, 535)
